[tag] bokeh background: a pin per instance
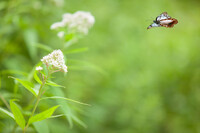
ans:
(137, 80)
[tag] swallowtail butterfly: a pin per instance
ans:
(163, 20)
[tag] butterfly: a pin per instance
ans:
(163, 20)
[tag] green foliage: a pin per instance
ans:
(19, 118)
(67, 99)
(137, 80)
(28, 85)
(43, 115)
(50, 83)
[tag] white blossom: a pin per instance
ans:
(61, 34)
(56, 60)
(80, 22)
(39, 68)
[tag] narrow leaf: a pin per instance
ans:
(7, 112)
(50, 83)
(43, 115)
(28, 85)
(17, 114)
(63, 98)
(55, 116)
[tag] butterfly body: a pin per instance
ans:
(163, 20)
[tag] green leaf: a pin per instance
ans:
(56, 116)
(63, 98)
(43, 115)
(7, 112)
(50, 83)
(28, 85)
(37, 78)
(17, 114)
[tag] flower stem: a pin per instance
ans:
(37, 102)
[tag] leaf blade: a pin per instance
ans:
(50, 83)
(17, 114)
(43, 115)
(67, 99)
(26, 84)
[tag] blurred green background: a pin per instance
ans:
(137, 80)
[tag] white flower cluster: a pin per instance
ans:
(56, 60)
(79, 22)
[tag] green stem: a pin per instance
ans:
(37, 102)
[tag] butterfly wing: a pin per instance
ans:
(153, 25)
(162, 16)
(169, 23)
